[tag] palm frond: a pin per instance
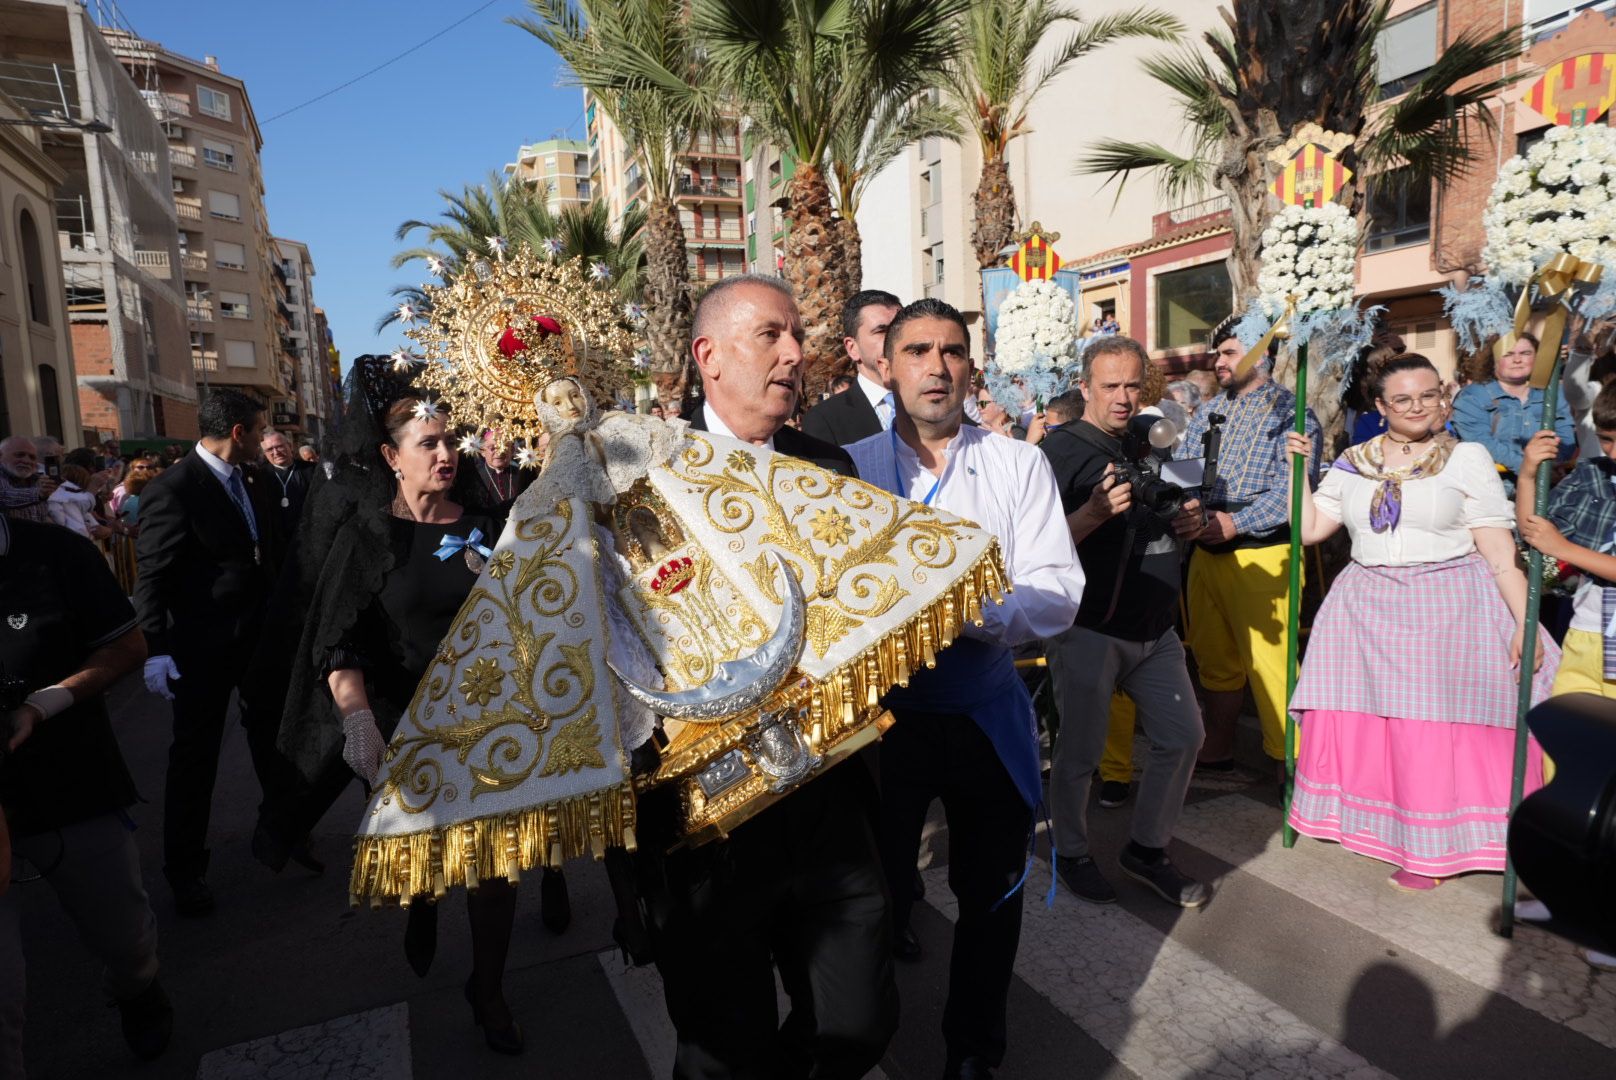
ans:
(1091, 35)
(1177, 176)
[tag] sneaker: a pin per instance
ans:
(1163, 877)
(1083, 877)
(1113, 793)
(148, 1021)
(1602, 961)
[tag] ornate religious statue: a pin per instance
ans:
(739, 610)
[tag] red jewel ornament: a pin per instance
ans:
(673, 576)
(509, 344)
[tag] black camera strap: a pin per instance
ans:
(1112, 448)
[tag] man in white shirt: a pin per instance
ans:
(965, 729)
(867, 407)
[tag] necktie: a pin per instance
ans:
(238, 495)
(884, 411)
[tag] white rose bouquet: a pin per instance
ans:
(1558, 198)
(1035, 345)
(1308, 252)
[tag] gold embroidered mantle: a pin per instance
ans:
(511, 755)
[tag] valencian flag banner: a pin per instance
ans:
(1035, 259)
(1575, 91)
(1311, 178)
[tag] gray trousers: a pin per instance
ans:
(1086, 667)
(94, 869)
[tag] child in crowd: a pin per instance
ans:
(1580, 529)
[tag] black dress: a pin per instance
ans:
(398, 632)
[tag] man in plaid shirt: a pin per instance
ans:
(1240, 570)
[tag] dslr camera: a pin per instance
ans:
(1144, 443)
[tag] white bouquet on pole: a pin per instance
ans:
(1035, 345)
(1308, 252)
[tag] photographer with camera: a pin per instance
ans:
(1130, 526)
(69, 634)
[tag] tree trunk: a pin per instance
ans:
(813, 267)
(847, 233)
(995, 204)
(667, 305)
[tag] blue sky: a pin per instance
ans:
(342, 173)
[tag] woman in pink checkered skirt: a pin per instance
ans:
(1406, 704)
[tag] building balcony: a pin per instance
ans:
(188, 208)
(718, 189)
(205, 361)
(181, 157)
(709, 237)
(154, 263)
(194, 263)
(164, 104)
(199, 310)
(718, 147)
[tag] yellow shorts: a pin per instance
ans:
(1582, 666)
(1238, 610)
(1117, 761)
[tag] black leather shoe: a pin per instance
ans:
(302, 853)
(555, 906)
(268, 847)
(906, 944)
(970, 1068)
(192, 897)
(148, 1021)
(506, 1040)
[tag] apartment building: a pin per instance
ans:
(38, 393)
(559, 167)
(227, 260)
(708, 191)
(308, 411)
(115, 228)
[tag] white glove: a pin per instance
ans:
(160, 669)
(363, 745)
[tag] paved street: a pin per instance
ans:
(1305, 964)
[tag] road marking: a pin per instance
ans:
(371, 1045)
(1451, 926)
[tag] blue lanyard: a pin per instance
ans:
(897, 477)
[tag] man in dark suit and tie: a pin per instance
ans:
(799, 885)
(287, 479)
(209, 534)
(866, 407)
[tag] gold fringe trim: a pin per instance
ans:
(426, 864)
(849, 697)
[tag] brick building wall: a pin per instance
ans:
(1458, 231)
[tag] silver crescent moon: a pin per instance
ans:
(737, 685)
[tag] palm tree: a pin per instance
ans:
(870, 141)
(1244, 97)
(522, 216)
(993, 82)
(640, 62)
(805, 70)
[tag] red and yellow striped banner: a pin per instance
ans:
(1311, 178)
(1576, 91)
(1035, 259)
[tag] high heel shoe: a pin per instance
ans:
(506, 1040)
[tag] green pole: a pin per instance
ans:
(1534, 599)
(1293, 624)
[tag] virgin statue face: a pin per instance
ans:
(567, 398)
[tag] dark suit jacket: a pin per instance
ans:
(484, 495)
(843, 419)
(297, 492)
(202, 581)
(788, 441)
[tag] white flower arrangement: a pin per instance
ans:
(1308, 252)
(1558, 198)
(1036, 340)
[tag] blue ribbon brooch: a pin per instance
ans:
(471, 545)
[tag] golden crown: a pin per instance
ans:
(498, 331)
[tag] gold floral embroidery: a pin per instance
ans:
(740, 461)
(482, 681)
(501, 564)
(831, 526)
(575, 747)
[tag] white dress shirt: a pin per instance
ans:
(876, 394)
(718, 427)
(216, 464)
(1008, 488)
(1438, 511)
